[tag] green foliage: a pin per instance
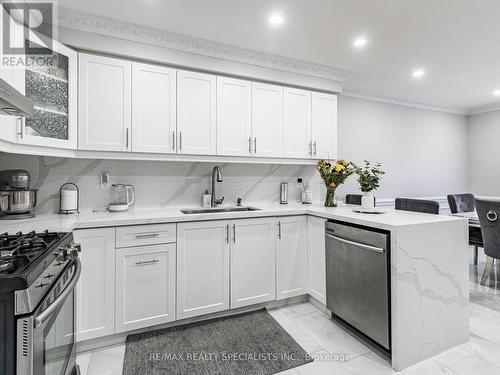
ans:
(369, 176)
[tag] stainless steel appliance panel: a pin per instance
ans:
(357, 279)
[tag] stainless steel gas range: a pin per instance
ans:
(38, 274)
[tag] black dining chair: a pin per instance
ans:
(417, 205)
(354, 199)
(461, 203)
(488, 212)
(465, 203)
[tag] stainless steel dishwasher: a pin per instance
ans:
(357, 278)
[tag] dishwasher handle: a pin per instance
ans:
(357, 244)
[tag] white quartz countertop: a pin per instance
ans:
(53, 222)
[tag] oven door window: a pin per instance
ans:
(58, 338)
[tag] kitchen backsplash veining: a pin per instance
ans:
(160, 184)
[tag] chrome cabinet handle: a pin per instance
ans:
(180, 141)
(227, 233)
(310, 148)
(21, 128)
(126, 138)
(142, 262)
(357, 244)
(250, 145)
(255, 145)
(173, 140)
(279, 230)
(148, 235)
(315, 147)
(234, 233)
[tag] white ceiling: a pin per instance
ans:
(457, 42)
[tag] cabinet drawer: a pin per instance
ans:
(139, 235)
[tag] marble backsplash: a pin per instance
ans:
(159, 184)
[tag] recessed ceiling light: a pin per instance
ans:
(276, 19)
(360, 42)
(496, 92)
(418, 73)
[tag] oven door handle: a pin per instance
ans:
(42, 318)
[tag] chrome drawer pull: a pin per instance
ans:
(153, 261)
(149, 235)
(357, 244)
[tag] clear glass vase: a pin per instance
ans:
(330, 200)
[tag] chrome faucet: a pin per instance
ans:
(216, 173)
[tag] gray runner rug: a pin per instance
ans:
(247, 344)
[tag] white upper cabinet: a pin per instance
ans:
(252, 261)
(297, 123)
(196, 113)
(291, 257)
(49, 81)
(324, 126)
(104, 103)
(234, 112)
(153, 108)
(267, 120)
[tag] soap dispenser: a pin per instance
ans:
(206, 199)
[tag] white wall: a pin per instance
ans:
(423, 152)
(484, 151)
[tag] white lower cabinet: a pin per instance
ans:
(253, 261)
(316, 266)
(202, 268)
(145, 286)
(291, 257)
(95, 291)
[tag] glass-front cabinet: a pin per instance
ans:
(50, 82)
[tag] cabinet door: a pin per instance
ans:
(153, 108)
(297, 123)
(95, 292)
(234, 100)
(53, 90)
(104, 101)
(202, 268)
(316, 258)
(145, 286)
(196, 109)
(10, 126)
(324, 125)
(291, 257)
(252, 261)
(267, 120)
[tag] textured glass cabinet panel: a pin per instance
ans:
(47, 87)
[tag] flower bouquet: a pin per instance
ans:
(333, 175)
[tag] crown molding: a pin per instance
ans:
(484, 109)
(385, 98)
(114, 28)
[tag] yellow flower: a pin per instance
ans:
(339, 167)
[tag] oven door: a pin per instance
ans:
(46, 339)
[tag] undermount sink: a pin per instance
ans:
(219, 209)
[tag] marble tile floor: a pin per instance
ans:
(337, 352)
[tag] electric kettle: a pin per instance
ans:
(122, 197)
